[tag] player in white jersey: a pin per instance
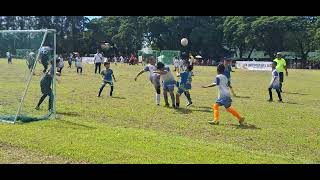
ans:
(168, 82)
(176, 64)
(275, 83)
(153, 77)
(181, 64)
(224, 98)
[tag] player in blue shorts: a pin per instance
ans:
(168, 83)
(184, 85)
(107, 75)
(224, 98)
(153, 77)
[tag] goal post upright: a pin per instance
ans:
(54, 110)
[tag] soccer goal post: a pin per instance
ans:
(27, 75)
(145, 53)
(168, 56)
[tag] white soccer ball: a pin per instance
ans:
(184, 42)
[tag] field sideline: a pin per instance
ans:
(130, 128)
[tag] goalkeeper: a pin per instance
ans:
(44, 60)
(45, 85)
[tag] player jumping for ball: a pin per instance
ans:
(168, 83)
(184, 85)
(153, 77)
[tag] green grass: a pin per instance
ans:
(130, 128)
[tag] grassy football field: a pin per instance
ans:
(130, 128)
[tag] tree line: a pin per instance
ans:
(209, 36)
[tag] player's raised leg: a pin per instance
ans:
(235, 114)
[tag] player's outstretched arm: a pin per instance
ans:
(211, 85)
(160, 72)
(114, 78)
(141, 72)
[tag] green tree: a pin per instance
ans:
(238, 34)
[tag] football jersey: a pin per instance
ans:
(168, 77)
(107, 74)
(45, 83)
(281, 63)
(222, 83)
(150, 68)
(275, 79)
(186, 77)
(78, 61)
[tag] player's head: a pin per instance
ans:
(279, 55)
(226, 62)
(220, 69)
(274, 65)
(190, 68)
(152, 60)
(160, 66)
(106, 64)
(184, 56)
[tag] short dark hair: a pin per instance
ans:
(151, 57)
(184, 56)
(106, 63)
(220, 68)
(160, 65)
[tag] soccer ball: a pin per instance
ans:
(184, 42)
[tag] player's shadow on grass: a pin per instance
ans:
(242, 97)
(184, 110)
(292, 103)
(72, 114)
(246, 126)
(203, 109)
(74, 125)
(115, 97)
(295, 93)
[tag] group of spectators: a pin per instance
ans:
(99, 59)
